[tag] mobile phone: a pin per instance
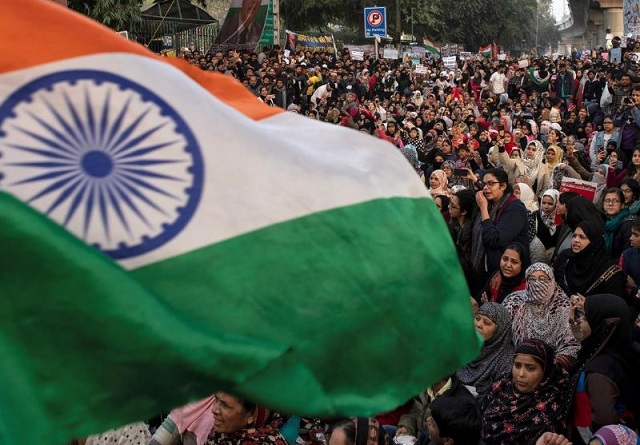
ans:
(459, 172)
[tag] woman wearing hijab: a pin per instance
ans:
(534, 168)
(493, 322)
(614, 435)
(605, 373)
(578, 209)
(510, 275)
(411, 155)
(547, 230)
(238, 422)
(438, 183)
(502, 220)
(542, 311)
(525, 194)
(358, 431)
(588, 269)
(531, 401)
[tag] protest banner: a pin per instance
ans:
(582, 188)
(297, 42)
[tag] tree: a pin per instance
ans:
(477, 22)
(116, 14)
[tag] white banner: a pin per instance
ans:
(450, 62)
(421, 69)
(357, 55)
(390, 53)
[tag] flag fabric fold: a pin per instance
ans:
(485, 50)
(166, 235)
(431, 46)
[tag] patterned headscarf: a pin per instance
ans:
(533, 165)
(542, 311)
(510, 416)
(615, 435)
(558, 156)
(496, 356)
(410, 153)
(443, 189)
(550, 220)
(540, 351)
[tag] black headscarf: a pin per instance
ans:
(608, 349)
(581, 209)
(586, 266)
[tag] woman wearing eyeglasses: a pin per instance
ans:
(619, 221)
(541, 310)
(502, 220)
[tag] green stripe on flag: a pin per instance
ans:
(364, 281)
(347, 311)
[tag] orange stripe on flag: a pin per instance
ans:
(36, 32)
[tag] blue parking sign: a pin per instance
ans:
(375, 21)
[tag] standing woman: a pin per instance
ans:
(588, 269)
(502, 220)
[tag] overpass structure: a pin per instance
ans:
(588, 24)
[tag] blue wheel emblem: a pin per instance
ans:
(103, 156)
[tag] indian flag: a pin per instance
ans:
(165, 235)
(430, 46)
(485, 50)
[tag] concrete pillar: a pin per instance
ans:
(613, 21)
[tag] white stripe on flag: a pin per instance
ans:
(256, 173)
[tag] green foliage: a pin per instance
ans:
(116, 14)
(511, 23)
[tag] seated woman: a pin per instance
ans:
(493, 322)
(532, 400)
(547, 229)
(617, 229)
(462, 211)
(631, 190)
(358, 431)
(502, 221)
(606, 385)
(237, 422)
(438, 184)
(587, 269)
(510, 277)
(542, 311)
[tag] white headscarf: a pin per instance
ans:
(550, 220)
(527, 197)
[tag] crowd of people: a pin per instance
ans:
(554, 275)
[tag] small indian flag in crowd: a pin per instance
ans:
(485, 50)
(431, 46)
(165, 235)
